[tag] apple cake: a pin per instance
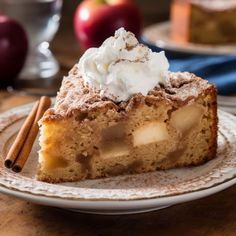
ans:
(107, 129)
(203, 21)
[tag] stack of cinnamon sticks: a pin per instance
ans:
(21, 148)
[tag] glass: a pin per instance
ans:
(41, 20)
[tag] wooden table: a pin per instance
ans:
(214, 215)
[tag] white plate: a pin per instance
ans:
(123, 194)
(159, 35)
(227, 103)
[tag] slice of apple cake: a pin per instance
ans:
(119, 111)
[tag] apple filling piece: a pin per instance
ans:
(186, 118)
(150, 133)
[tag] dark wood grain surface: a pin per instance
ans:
(214, 215)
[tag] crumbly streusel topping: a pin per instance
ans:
(75, 96)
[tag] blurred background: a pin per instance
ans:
(64, 45)
(152, 10)
(50, 42)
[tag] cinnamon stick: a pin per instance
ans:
(21, 137)
(44, 104)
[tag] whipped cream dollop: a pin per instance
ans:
(121, 67)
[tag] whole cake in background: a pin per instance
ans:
(120, 111)
(203, 21)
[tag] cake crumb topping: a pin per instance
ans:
(75, 96)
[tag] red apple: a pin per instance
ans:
(96, 20)
(13, 49)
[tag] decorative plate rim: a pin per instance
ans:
(19, 112)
